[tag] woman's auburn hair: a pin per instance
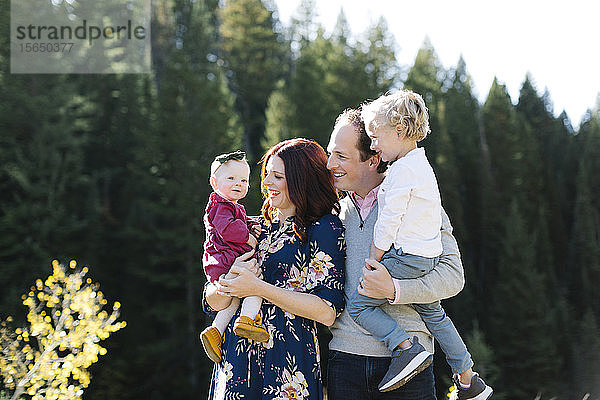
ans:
(309, 182)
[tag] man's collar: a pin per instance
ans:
(372, 192)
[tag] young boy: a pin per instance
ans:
(407, 242)
(229, 234)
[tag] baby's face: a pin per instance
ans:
(231, 180)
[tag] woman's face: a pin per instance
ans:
(276, 185)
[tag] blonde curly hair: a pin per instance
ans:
(404, 111)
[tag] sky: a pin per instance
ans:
(557, 42)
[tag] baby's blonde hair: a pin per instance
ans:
(404, 111)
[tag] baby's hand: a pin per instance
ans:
(252, 240)
(256, 229)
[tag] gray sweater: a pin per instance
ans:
(446, 280)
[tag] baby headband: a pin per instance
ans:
(236, 155)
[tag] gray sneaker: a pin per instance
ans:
(477, 391)
(405, 365)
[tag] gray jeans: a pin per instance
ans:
(365, 311)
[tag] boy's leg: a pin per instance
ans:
(444, 331)
(457, 355)
(365, 311)
(409, 266)
(406, 361)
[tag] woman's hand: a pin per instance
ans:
(376, 281)
(246, 261)
(242, 281)
(217, 299)
(244, 284)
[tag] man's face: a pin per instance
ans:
(349, 172)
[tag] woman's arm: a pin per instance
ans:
(302, 304)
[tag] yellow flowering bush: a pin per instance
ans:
(49, 358)
(452, 393)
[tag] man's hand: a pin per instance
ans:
(376, 281)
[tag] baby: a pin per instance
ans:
(407, 241)
(229, 234)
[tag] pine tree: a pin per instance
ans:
(551, 143)
(121, 112)
(303, 26)
(586, 353)
(47, 200)
(196, 122)
(255, 56)
(280, 111)
(330, 75)
(461, 118)
(484, 356)
(157, 192)
(426, 77)
(500, 149)
(377, 55)
(461, 122)
(584, 249)
(522, 317)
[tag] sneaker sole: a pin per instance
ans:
(486, 394)
(421, 361)
(208, 349)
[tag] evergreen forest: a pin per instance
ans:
(112, 171)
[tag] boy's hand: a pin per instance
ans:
(252, 240)
(256, 230)
(376, 253)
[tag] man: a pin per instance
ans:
(358, 361)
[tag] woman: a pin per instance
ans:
(302, 252)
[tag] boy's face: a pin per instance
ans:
(385, 141)
(231, 180)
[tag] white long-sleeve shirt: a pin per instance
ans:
(410, 207)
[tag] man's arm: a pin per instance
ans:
(444, 281)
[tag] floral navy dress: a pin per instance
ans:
(287, 366)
